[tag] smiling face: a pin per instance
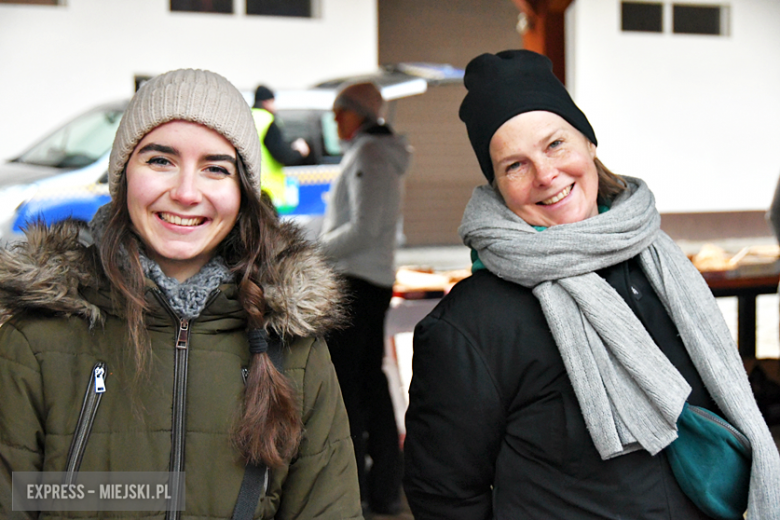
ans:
(544, 169)
(183, 195)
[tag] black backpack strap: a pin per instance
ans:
(276, 352)
(263, 342)
(254, 484)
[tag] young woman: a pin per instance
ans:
(549, 384)
(190, 315)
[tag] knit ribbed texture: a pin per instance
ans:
(189, 298)
(192, 95)
(629, 392)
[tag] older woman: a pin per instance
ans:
(192, 322)
(549, 383)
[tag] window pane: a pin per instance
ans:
(203, 6)
(641, 16)
(300, 8)
(330, 135)
(696, 19)
(36, 2)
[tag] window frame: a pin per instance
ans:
(53, 3)
(636, 4)
(668, 16)
(182, 9)
(724, 17)
(312, 10)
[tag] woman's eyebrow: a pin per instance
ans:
(549, 135)
(221, 157)
(154, 147)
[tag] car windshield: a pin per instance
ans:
(79, 143)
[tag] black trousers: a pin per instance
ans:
(357, 353)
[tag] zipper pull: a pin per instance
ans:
(183, 340)
(100, 381)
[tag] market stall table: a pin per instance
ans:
(751, 272)
(746, 283)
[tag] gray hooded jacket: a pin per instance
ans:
(361, 219)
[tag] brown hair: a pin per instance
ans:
(270, 428)
(610, 184)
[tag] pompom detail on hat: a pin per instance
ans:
(194, 95)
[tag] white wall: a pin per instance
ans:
(696, 116)
(56, 62)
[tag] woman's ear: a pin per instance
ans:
(592, 150)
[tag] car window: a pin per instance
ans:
(318, 128)
(79, 143)
(330, 134)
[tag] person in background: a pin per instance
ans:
(550, 383)
(359, 237)
(194, 319)
(276, 151)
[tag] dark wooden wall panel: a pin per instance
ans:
(444, 170)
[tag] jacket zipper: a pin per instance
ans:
(95, 390)
(712, 417)
(178, 423)
(179, 426)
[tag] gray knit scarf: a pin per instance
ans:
(629, 392)
(188, 298)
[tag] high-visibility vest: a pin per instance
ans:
(272, 178)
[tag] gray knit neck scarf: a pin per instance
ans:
(188, 298)
(629, 392)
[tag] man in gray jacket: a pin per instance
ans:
(359, 236)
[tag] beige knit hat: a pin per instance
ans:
(193, 95)
(363, 98)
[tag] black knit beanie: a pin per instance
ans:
(501, 86)
(262, 93)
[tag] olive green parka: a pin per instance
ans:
(61, 324)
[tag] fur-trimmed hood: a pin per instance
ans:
(50, 271)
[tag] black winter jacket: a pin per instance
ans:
(494, 429)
